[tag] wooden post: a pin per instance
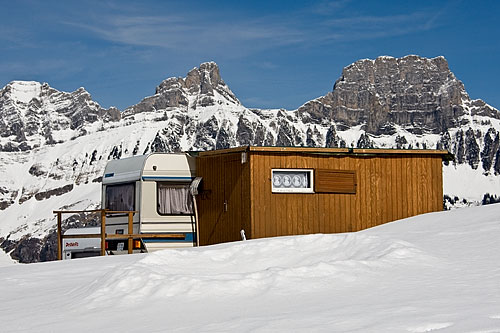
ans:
(197, 224)
(103, 232)
(130, 231)
(59, 236)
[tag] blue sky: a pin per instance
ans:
(271, 53)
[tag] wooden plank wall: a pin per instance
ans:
(225, 179)
(389, 188)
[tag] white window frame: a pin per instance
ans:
(309, 189)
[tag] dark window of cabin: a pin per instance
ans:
(174, 199)
(335, 181)
(120, 197)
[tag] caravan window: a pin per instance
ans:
(120, 197)
(174, 199)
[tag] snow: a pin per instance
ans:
(467, 183)
(432, 272)
(25, 91)
(5, 259)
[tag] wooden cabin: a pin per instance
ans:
(278, 191)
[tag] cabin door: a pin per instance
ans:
(220, 204)
(232, 207)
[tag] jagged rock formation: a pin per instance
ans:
(413, 93)
(201, 87)
(54, 145)
(31, 112)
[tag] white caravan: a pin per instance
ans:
(157, 187)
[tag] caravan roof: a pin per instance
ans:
(155, 166)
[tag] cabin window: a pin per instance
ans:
(292, 180)
(174, 199)
(120, 197)
(335, 181)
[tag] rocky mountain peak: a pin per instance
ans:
(418, 94)
(205, 78)
(21, 91)
(202, 87)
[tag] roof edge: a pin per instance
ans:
(446, 155)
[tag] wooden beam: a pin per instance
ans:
(298, 150)
(82, 236)
(59, 235)
(121, 211)
(223, 151)
(77, 211)
(103, 232)
(94, 211)
(125, 236)
(130, 232)
(445, 155)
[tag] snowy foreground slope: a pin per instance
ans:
(6, 260)
(434, 272)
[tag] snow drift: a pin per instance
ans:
(432, 272)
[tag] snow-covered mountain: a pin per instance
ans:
(54, 145)
(35, 114)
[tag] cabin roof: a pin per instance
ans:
(446, 155)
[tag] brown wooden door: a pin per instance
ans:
(232, 205)
(220, 206)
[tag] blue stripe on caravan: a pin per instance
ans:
(166, 178)
(109, 175)
(189, 238)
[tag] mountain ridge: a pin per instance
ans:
(54, 147)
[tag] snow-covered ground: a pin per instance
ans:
(434, 272)
(5, 259)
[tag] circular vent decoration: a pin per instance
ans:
(297, 181)
(292, 180)
(277, 181)
(287, 181)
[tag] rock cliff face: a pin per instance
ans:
(200, 88)
(413, 93)
(31, 112)
(54, 145)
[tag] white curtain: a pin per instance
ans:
(174, 199)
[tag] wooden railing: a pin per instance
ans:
(130, 236)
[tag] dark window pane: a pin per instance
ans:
(120, 197)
